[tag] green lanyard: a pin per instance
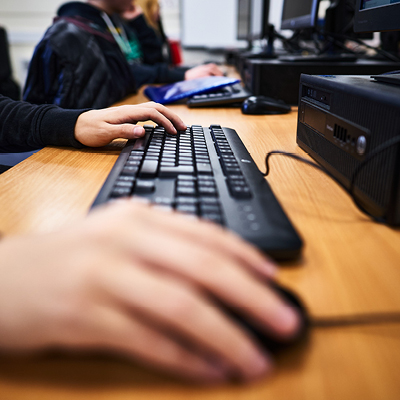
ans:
(130, 49)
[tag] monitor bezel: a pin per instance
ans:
(246, 36)
(371, 19)
(304, 21)
(265, 21)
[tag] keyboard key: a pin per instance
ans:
(214, 217)
(185, 191)
(163, 201)
(133, 163)
(144, 187)
(120, 192)
(208, 183)
(210, 208)
(130, 170)
(186, 183)
(239, 191)
(186, 178)
(187, 208)
(172, 172)
(126, 179)
(149, 168)
(140, 143)
(204, 178)
(203, 168)
(186, 200)
(208, 191)
(124, 184)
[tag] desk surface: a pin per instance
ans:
(349, 265)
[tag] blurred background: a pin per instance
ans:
(205, 28)
(202, 26)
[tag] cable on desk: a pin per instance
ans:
(355, 319)
(351, 191)
(336, 37)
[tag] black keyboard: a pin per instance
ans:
(206, 172)
(228, 95)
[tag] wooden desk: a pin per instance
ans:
(349, 265)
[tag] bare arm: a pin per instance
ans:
(140, 282)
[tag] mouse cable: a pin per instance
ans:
(351, 190)
(355, 319)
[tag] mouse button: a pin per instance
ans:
(271, 100)
(266, 99)
(249, 107)
(251, 99)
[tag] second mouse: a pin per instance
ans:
(262, 105)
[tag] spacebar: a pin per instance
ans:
(171, 172)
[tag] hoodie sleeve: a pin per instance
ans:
(159, 73)
(25, 127)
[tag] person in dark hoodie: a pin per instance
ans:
(96, 53)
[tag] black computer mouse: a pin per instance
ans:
(275, 345)
(262, 105)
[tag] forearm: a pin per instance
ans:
(25, 127)
(159, 73)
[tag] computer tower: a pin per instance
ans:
(280, 79)
(342, 120)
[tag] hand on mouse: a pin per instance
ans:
(140, 282)
(99, 127)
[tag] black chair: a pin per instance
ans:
(8, 87)
(12, 90)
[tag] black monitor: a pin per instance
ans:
(259, 19)
(299, 14)
(253, 24)
(243, 21)
(377, 15)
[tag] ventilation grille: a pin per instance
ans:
(340, 133)
(375, 179)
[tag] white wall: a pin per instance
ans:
(275, 13)
(26, 22)
(213, 23)
(209, 23)
(170, 16)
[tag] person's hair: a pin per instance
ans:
(150, 9)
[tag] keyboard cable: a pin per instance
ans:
(351, 190)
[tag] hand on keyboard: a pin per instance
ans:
(202, 71)
(99, 127)
(140, 282)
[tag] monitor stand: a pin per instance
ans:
(267, 53)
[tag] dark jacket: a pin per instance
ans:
(7, 85)
(25, 127)
(78, 63)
